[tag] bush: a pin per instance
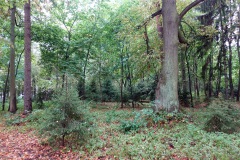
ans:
(12, 119)
(108, 91)
(92, 92)
(67, 117)
(147, 117)
(223, 117)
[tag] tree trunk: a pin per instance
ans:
(27, 67)
(184, 78)
(196, 84)
(189, 78)
(230, 53)
(159, 25)
(121, 83)
(210, 75)
(238, 51)
(84, 72)
(167, 87)
(13, 105)
(5, 89)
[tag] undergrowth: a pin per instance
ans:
(222, 116)
(147, 118)
(127, 134)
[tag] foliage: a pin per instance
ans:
(12, 119)
(147, 117)
(179, 141)
(222, 117)
(108, 91)
(66, 117)
(92, 91)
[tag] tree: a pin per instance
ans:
(27, 68)
(13, 105)
(167, 87)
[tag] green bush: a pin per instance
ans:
(108, 91)
(147, 117)
(92, 92)
(12, 119)
(67, 117)
(222, 117)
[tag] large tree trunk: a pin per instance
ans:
(13, 105)
(27, 67)
(167, 88)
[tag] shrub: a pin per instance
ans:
(108, 91)
(222, 117)
(92, 91)
(67, 117)
(147, 117)
(12, 119)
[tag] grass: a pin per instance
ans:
(173, 140)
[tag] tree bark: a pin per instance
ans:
(13, 105)
(189, 78)
(210, 77)
(238, 51)
(121, 84)
(5, 89)
(167, 87)
(27, 67)
(230, 54)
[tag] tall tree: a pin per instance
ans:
(27, 68)
(13, 105)
(167, 87)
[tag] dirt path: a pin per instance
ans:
(26, 146)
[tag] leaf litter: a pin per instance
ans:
(15, 145)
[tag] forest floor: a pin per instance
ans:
(177, 140)
(16, 144)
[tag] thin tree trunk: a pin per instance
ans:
(5, 89)
(130, 84)
(189, 78)
(19, 59)
(27, 67)
(230, 54)
(13, 105)
(121, 85)
(220, 57)
(225, 71)
(210, 76)
(184, 78)
(84, 71)
(230, 70)
(196, 85)
(219, 68)
(146, 39)
(238, 50)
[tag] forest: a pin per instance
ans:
(120, 79)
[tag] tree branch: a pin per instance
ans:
(181, 15)
(190, 6)
(156, 13)
(149, 18)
